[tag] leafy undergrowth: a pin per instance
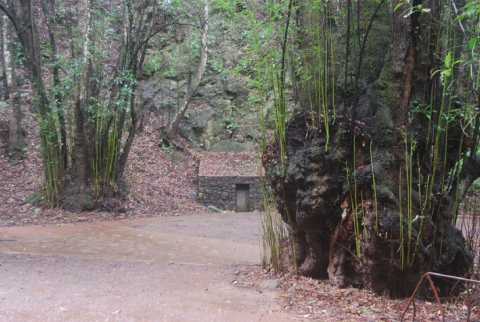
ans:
(307, 299)
(159, 183)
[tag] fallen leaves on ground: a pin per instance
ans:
(309, 299)
(229, 164)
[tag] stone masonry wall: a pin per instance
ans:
(221, 192)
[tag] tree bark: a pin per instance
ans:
(16, 138)
(366, 198)
(79, 195)
(83, 93)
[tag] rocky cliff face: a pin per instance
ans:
(219, 117)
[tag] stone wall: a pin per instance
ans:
(221, 192)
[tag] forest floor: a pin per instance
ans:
(159, 182)
(163, 183)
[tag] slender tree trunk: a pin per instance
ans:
(83, 93)
(30, 43)
(16, 138)
(56, 83)
(79, 197)
(172, 131)
(132, 131)
(136, 40)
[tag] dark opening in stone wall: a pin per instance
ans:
(242, 197)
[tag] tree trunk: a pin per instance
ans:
(16, 140)
(366, 193)
(192, 88)
(79, 196)
(56, 83)
(135, 51)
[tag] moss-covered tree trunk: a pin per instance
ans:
(370, 184)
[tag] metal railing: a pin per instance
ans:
(428, 276)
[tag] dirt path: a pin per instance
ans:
(155, 269)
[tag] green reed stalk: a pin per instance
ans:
(96, 159)
(409, 150)
(354, 203)
(356, 219)
(53, 168)
(332, 62)
(400, 215)
(456, 201)
(280, 119)
(272, 233)
(374, 183)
